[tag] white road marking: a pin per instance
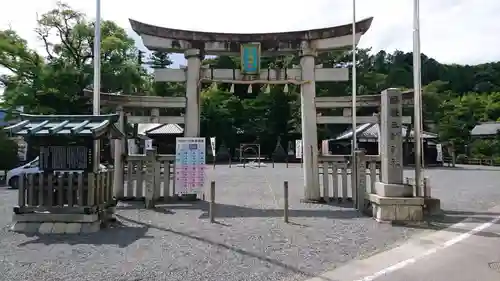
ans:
(445, 245)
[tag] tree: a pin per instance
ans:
(55, 84)
(8, 150)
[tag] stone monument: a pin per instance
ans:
(393, 199)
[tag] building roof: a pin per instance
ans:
(486, 129)
(159, 129)
(66, 125)
(370, 131)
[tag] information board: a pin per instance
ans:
(190, 165)
(298, 149)
(65, 158)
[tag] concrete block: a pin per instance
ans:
(59, 228)
(47, 217)
(387, 209)
(393, 190)
(32, 227)
(46, 227)
(19, 227)
(90, 227)
(432, 207)
(73, 228)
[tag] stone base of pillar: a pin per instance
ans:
(432, 207)
(397, 209)
(393, 190)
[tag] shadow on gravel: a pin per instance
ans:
(116, 234)
(449, 218)
(227, 247)
(234, 211)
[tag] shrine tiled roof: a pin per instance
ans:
(66, 125)
(190, 35)
(486, 129)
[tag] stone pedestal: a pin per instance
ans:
(432, 207)
(394, 209)
(393, 200)
(393, 190)
(46, 223)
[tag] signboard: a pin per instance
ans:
(212, 145)
(298, 149)
(324, 147)
(132, 147)
(250, 58)
(439, 149)
(64, 158)
(290, 149)
(148, 144)
(190, 165)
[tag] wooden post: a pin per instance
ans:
(150, 178)
(360, 180)
(211, 205)
(326, 185)
(427, 188)
(21, 192)
(285, 204)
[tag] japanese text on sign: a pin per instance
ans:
(190, 165)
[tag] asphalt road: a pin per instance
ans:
(467, 251)
(476, 258)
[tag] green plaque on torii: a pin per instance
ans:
(250, 58)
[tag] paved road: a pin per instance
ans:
(475, 258)
(468, 251)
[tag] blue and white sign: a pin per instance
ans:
(250, 58)
(190, 165)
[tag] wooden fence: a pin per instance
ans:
(65, 192)
(336, 183)
(141, 170)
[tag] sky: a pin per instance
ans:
(452, 31)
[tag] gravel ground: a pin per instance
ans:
(249, 242)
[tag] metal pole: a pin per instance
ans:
(354, 82)
(96, 102)
(417, 95)
(285, 205)
(211, 204)
(354, 145)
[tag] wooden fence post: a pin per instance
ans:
(360, 180)
(150, 178)
(211, 203)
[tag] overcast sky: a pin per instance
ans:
(452, 31)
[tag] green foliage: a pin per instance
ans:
(55, 84)
(8, 150)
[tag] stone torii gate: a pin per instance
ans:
(308, 44)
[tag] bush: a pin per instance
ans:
(8, 150)
(461, 158)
